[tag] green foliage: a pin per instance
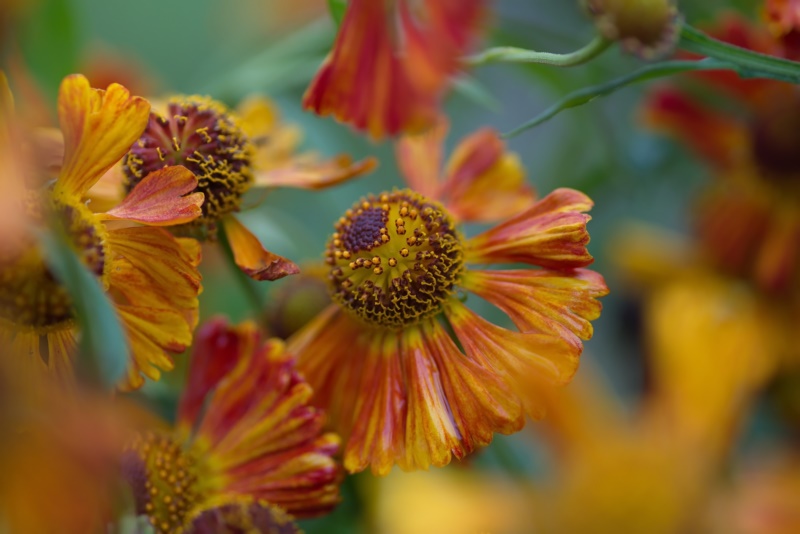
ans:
(104, 352)
(337, 9)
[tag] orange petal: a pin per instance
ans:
(161, 199)
(778, 258)
(218, 347)
(99, 127)
(560, 304)
(716, 137)
(483, 181)
(315, 175)
(389, 66)
(552, 234)
(419, 157)
(517, 357)
(251, 257)
(265, 439)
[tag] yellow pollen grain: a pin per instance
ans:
(404, 252)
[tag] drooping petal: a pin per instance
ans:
(391, 62)
(251, 257)
(561, 304)
(218, 347)
(484, 182)
(262, 438)
(161, 199)
(308, 173)
(551, 234)
(99, 127)
(720, 139)
(518, 357)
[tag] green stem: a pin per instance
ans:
(746, 62)
(245, 282)
(587, 94)
(509, 54)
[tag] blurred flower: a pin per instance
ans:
(298, 301)
(246, 447)
(391, 62)
(151, 276)
(646, 28)
(397, 385)
(229, 153)
(749, 219)
(783, 20)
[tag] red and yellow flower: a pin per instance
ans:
(247, 445)
(783, 20)
(150, 275)
(398, 386)
(229, 153)
(391, 62)
(749, 220)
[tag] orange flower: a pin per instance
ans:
(247, 446)
(230, 153)
(151, 276)
(750, 218)
(783, 20)
(398, 386)
(392, 61)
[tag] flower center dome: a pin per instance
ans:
(31, 297)
(164, 479)
(200, 134)
(394, 259)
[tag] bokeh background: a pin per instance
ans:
(230, 50)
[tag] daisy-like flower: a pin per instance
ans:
(398, 386)
(229, 153)
(749, 220)
(151, 276)
(391, 62)
(247, 448)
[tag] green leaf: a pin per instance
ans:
(103, 350)
(337, 9)
(748, 63)
(587, 94)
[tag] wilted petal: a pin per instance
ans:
(251, 257)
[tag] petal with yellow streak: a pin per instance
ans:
(163, 198)
(516, 356)
(483, 181)
(562, 304)
(99, 127)
(552, 234)
(420, 159)
(251, 257)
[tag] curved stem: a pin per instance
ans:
(509, 54)
(747, 62)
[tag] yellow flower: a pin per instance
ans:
(398, 386)
(647, 28)
(151, 276)
(230, 153)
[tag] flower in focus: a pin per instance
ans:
(391, 62)
(646, 28)
(151, 276)
(398, 387)
(247, 447)
(229, 153)
(749, 220)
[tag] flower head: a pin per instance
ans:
(783, 20)
(230, 152)
(646, 28)
(151, 276)
(398, 386)
(392, 61)
(750, 218)
(247, 447)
